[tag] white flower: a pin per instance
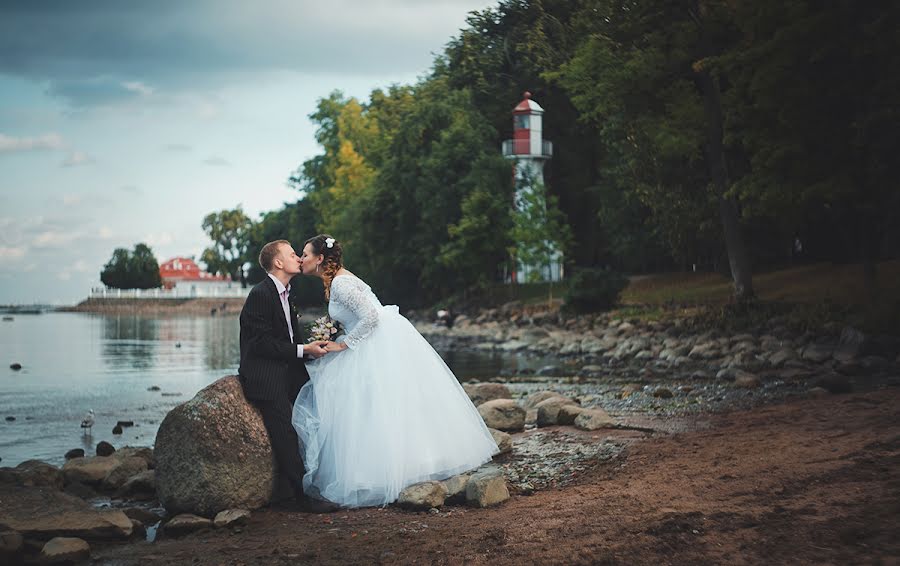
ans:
(329, 242)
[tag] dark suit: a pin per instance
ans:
(271, 373)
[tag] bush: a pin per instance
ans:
(592, 290)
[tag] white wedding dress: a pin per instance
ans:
(385, 413)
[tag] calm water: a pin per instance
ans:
(73, 362)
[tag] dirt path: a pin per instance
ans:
(813, 481)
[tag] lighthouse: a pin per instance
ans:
(530, 151)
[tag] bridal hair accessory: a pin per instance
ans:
(329, 242)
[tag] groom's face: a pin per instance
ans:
(290, 261)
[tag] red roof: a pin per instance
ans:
(185, 269)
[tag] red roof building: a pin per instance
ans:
(185, 270)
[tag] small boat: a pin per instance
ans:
(8, 319)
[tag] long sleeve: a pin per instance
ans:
(256, 321)
(352, 295)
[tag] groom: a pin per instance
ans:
(272, 370)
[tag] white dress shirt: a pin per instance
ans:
(286, 307)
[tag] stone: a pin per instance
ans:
(532, 400)
(65, 550)
(503, 414)
(74, 453)
(630, 389)
(503, 440)
(593, 419)
(548, 410)
(456, 487)
(127, 469)
(231, 518)
(423, 496)
(137, 452)
(185, 523)
(818, 392)
(104, 448)
(817, 353)
(874, 364)
(33, 473)
(704, 351)
(140, 486)
(834, 383)
(213, 453)
(746, 380)
(663, 393)
(90, 471)
(781, 356)
(486, 489)
(41, 513)
(481, 393)
(11, 545)
(591, 371)
(549, 371)
(138, 530)
(568, 413)
(143, 516)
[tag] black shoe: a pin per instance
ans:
(318, 506)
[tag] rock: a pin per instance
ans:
(104, 448)
(503, 414)
(532, 400)
(874, 364)
(32, 473)
(213, 453)
(157, 388)
(570, 348)
(704, 351)
(65, 550)
(503, 440)
(125, 424)
(568, 413)
(185, 523)
(127, 469)
(17, 366)
(818, 392)
(423, 496)
(42, 513)
(11, 545)
(141, 515)
(117, 429)
(593, 419)
(137, 452)
(834, 383)
(10, 419)
(456, 487)
(549, 371)
(138, 530)
(486, 488)
(631, 388)
(663, 393)
(746, 380)
(727, 374)
(139, 486)
(231, 518)
(548, 410)
(817, 353)
(481, 393)
(75, 453)
(90, 471)
(591, 371)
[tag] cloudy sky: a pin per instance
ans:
(123, 122)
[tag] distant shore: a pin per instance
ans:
(195, 306)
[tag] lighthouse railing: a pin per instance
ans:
(523, 147)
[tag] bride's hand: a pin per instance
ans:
(335, 346)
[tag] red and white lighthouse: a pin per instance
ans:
(530, 151)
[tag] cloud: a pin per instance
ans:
(159, 239)
(177, 147)
(12, 252)
(10, 144)
(131, 189)
(76, 158)
(96, 52)
(216, 161)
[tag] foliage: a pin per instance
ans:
(137, 269)
(592, 290)
(539, 231)
(229, 231)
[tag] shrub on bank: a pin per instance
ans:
(592, 290)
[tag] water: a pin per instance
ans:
(73, 362)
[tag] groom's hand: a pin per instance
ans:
(316, 349)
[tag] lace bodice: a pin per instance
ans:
(355, 306)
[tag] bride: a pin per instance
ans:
(382, 410)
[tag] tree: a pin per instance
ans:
(132, 270)
(229, 230)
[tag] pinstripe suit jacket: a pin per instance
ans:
(269, 367)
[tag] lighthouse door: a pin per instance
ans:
(521, 134)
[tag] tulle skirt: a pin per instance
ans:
(385, 415)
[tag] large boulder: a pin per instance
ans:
(423, 496)
(32, 473)
(89, 471)
(483, 392)
(503, 440)
(213, 453)
(65, 550)
(532, 400)
(548, 410)
(594, 419)
(186, 523)
(42, 513)
(141, 486)
(128, 468)
(503, 414)
(486, 489)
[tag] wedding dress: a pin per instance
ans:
(385, 413)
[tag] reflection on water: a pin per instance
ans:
(126, 368)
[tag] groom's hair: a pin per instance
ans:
(268, 252)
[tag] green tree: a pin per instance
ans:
(229, 231)
(540, 233)
(137, 269)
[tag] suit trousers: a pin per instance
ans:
(276, 415)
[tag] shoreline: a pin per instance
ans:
(196, 306)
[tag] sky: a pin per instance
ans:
(126, 122)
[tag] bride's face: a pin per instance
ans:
(309, 260)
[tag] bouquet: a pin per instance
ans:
(323, 329)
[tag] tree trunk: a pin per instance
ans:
(738, 258)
